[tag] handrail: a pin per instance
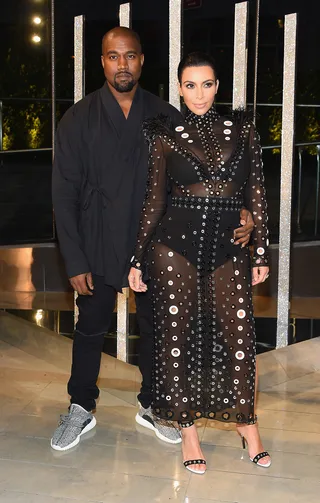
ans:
(267, 147)
(25, 151)
(271, 104)
(68, 100)
(303, 144)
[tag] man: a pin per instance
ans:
(99, 179)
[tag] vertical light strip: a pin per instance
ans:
(53, 99)
(240, 56)
(79, 70)
(123, 298)
(287, 159)
(256, 54)
(79, 91)
(53, 76)
(125, 15)
(175, 49)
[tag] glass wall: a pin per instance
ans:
(26, 107)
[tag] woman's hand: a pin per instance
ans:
(259, 275)
(135, 280)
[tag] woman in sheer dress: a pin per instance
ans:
(200, 175)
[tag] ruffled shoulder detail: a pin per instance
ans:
(241, 115)
(157, 126)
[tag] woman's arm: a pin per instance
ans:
(155, 202)
(257, 204)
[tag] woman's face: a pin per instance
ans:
(198, 88)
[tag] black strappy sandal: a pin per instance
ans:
(259, 456)
(190, 462)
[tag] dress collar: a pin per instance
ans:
(193, 118)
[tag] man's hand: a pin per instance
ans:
(82, 283)
(243, 233)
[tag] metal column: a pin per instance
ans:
(240, 56)
(287, 159)
(79, 88)
(175, 49)
(123, 298)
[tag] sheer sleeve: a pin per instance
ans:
(155, 203)
(256, 200)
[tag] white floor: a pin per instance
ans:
(120, 462)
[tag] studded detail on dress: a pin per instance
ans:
(201, 175)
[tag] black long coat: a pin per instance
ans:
(99, 181)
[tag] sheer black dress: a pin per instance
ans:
(200, 176)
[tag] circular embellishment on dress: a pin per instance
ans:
(170, 268)
(239, 287)
(242, 401)
(176, 365)
(239, 355)
(227, 138)
(175, 352)
(212, 415)
(190, 141)
(174, 338)
(168, 397)
(226, 400)
(170, 282)
(241, 300)
(179, 129)
(227, 131)
(226, 416)
(267, 242)
(173, 310)
(241, 314)
(169, 413)
(236, 381)
(174, 324)
(260, 251)
(227, 123)
(170, 254)
(237, 368)
(176, 378)
(198, 414)
(240, 328)
(240, 341)
(185, 135)
(184, 399)
(172, 296)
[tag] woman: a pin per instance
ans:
(201, 174)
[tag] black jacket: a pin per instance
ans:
(99, 181)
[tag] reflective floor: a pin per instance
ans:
(120, 462)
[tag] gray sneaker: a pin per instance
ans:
(164, 430)
(71, 427)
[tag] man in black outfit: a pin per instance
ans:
(99, 179)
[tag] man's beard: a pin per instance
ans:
(124, 87)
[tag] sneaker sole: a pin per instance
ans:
(89, 427)
(149, 426)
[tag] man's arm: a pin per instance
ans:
(242, 234)
(66, 187)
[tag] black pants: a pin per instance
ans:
(94, 321)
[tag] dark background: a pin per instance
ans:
(25, 91)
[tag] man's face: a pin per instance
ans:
(122, 62)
